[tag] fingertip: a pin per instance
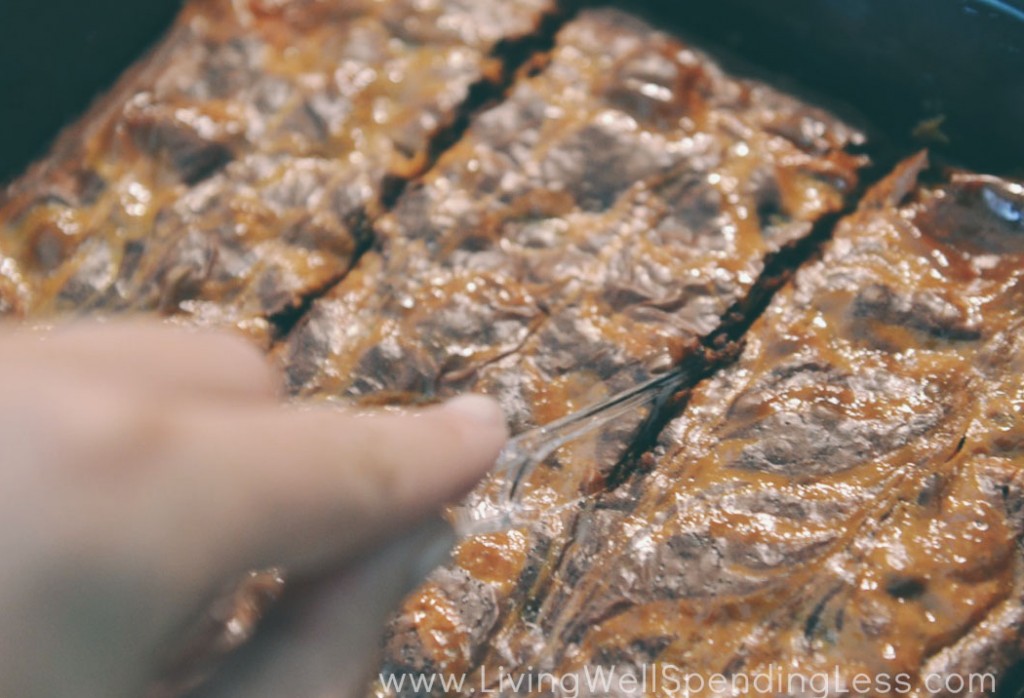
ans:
(481, 421)
(478, 411)
(442, 452)
(317, 484)
(240, 355)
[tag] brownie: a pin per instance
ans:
(846, 499)
(229, 174)
(581, 236)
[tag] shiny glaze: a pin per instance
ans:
(580, 235)
(228, 173)
(849, 493)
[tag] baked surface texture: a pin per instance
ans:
(582, 234)
(845, 500)
(230, 173)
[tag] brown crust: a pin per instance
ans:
(228, 174)
(581, 236)
(847, 497)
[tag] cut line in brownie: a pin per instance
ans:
(583, 235)
(230, 173)
(847, 499)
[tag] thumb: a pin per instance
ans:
(324, 639)
(308, 488)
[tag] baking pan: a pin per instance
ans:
(944, 73)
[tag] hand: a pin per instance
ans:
(142, 467)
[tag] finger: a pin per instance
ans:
(155, 358)
(325, 638)
(305, 488)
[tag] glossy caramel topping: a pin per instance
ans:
(583, 233)
(846, 497)
(605, 214)
(229, 173)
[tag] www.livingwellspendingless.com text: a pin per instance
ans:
(672, 680)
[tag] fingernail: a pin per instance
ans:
(479, 408)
